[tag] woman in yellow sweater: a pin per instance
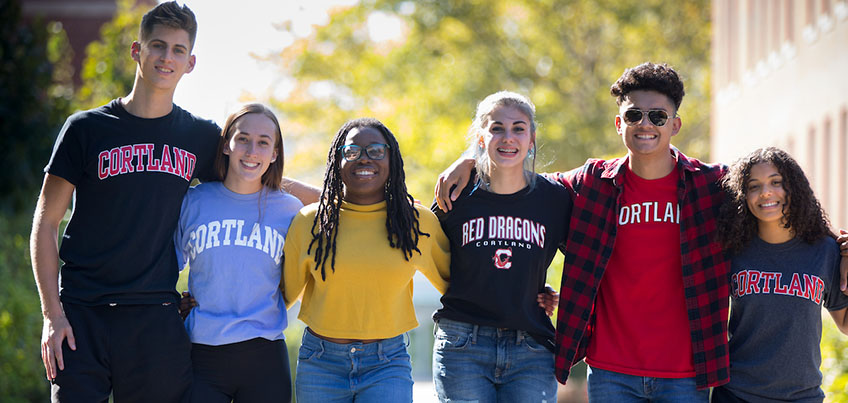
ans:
(352, 256)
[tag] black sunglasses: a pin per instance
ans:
(658, 117)
(353, 152)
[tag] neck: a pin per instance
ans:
(649, 167)
(774, 232)
(148, 103)
(240, 186)
(506, 181)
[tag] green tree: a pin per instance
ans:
(36, 91)
(108, 71)
(564, 54)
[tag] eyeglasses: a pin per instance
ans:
(353, 152)
(633, 117)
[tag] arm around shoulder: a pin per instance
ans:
(306, 193)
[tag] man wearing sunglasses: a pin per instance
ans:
(644, 294)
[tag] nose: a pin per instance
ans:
(250, 148)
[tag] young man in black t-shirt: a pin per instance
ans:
(112, 324)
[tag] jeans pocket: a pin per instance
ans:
(450, 339)
(305, 353)
(531, 344)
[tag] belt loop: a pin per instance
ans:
(474, 334)
(435, 327)
(519, 335)
(406, 339)
(380, 351)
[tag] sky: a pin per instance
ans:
(229, 37)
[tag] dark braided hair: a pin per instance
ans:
(401, 217)
(737, 226)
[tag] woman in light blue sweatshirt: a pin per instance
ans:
(231, 235)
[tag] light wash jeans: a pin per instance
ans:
(375, 372)
(609, 386)
(486, 364)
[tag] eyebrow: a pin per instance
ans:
(515, 122)
(178, 45)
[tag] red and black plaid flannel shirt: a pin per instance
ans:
(596, 188)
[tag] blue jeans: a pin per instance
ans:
(609, 386)
(374, 372)
(486, 364)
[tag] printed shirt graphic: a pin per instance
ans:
(641, 327)
(775, 327)
(130, 175)
(233, 244)
(501, 247)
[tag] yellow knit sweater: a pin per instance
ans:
(369, 295)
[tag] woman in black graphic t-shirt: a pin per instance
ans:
(494, 341)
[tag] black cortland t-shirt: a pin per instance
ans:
(130, 175)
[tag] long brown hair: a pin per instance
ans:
(273, 177)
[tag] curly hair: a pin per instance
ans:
(737, 226)
(651, 77)
(401, 217)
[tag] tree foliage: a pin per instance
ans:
(563, 54)
(36, 93)
(108, 70)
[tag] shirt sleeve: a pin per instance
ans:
(183, 246)
(296, 260)
(835, 299)
(67, 160)
(436, 266)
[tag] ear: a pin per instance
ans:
(619, 125)
(274, 157)
(676, 124)
(191, 61)
(226, 150)
(135, 48)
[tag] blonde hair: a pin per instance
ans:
(478, 126)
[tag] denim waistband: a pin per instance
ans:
(377, 347)
(481, 331)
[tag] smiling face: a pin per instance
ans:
(364, 179)
(643, 139)
(765, 195)
(163, 57)
(507, 139)
(251, 150)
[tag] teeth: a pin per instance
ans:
(772, 204)
(165, 70)
(645, 136)
(250, 164)
(364, 172)
(508, 150)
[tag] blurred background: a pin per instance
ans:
(757, 73)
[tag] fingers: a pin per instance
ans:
(843, 242)
(843, 275)
(47, 359)
(441, 194)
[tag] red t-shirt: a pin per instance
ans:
(641, 326)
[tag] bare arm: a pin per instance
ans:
(307, 194)
(53, 201)
(843, 266)
(840, 317)
(456, 174)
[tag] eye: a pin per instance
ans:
(753, 187)
(778, 182)
(519, 129)
(496, 129)
(179, 51)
